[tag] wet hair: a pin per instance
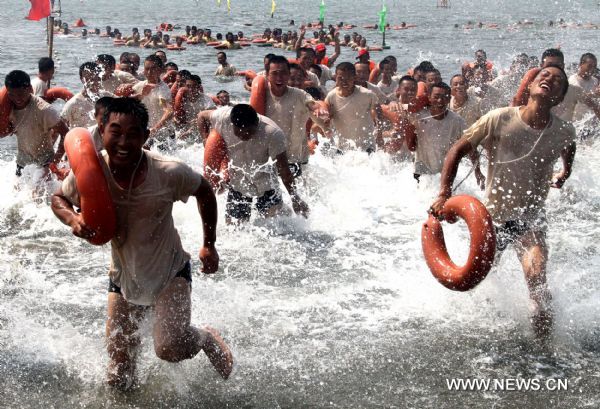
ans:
(89, 66)
(222, 52)
(45, 64)
(425, 67)
(482, 52)
(195, 78)
(124, 57)
(17, 79)
(268, 57)
(295, 66)
(127, 106)
(434, 71)
(552, 52)
(277, 59)
(106, 59)
(346, 67)
(564, 74)
(407, 78)
(315, 93)
(156, 60)
(442, 85)
(185, 74)
(243, 116)
(318, 68)
(171, 65)
(304, 50)
(384, 62)
(102, 103)
(587, 56)
(222, 91)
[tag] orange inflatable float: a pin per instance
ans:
(6, 128)
(482, 248)
(258, 94)
(175, 47)
(259, 41)
(374, 75)
(79, 23)
(97, 207)
(216, 159)
(53, 94)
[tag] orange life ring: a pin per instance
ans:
(119, 42)
(258, 94)
(179, 104)
(79, 23)
(6, 128)
(375, 48)
(244, 39)
(220, 46)
(482, 248)
(175, 47)
(216, 159)
(53, 94)
(244, 44)
(193, 41)
(213, 43)
(259, 41)
(124, 90)
(374, 75)
(97, 207)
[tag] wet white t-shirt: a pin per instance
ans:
(520, 162)
(155, 101)
(251, 170)
(146, 251)
(470, 111)
(290, 112)
(32, 127)
(39, 87)
(435, 137)
(588, 85)
(351, 118)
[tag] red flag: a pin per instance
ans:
(39, 9)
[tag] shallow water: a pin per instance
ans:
(338, 310)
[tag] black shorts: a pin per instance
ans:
(238, 205)
(185, 272)
(509, 232)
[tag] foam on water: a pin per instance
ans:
(336, 310)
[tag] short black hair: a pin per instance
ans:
(552, 52)
(153, 58)
(106, 59)
(407, 78)
(243, 116)
(185, 74)
(222, 92)
(172, 65)
(45, 64)
(128, 106)
(222, 52)
(442, 85)
(124, 57)
(315, 93)
(304, 50)
(318, 68)
(88, 66)
(17, 79)
(278, 59)
(587, 56)
(425, 66)
(384, 62)
(102, 103)
(195, 78)
(457, 75)
(346, 67)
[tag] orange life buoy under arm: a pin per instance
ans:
(216, 159)
(6, 127)
(97, 207)
(55, 93)
(482, 248)
(258, 94)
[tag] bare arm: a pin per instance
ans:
(167, 114)
(298, 43)
(288, 181)
(63, 209)
(204, 124)
(336, 51)
(458, 151)
(61, 130)
(207, 207)
(568, 156)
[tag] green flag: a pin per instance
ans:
(322, 11)
(382, 15)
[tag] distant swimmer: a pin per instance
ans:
(36, 124)
(148, 275)
(225, 69)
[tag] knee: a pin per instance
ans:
(167, 350)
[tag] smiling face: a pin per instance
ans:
(297, 78)
(344, 81)
(439, 98)
(278, 77)
(407, 92)
(549, 85)
(587, 67)
(123, 137)
(458, 86)
(20, 96)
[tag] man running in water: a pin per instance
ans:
(522, 144)
(149, 267)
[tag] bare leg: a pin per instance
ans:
(175, 339)
(122, 340)
(533, 255)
